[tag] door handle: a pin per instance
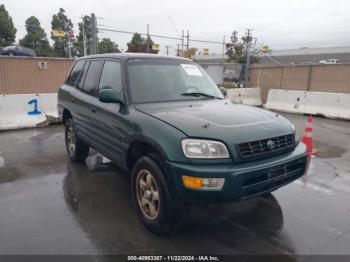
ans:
(72, 99)
(93, 110)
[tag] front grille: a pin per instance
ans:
(272, 178)
(263, 148)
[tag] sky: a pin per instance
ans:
(280, 24)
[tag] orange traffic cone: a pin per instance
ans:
(307, 138)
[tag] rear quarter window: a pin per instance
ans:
(92, 77)
(76, 73)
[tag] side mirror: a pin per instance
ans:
(110, 96)
(223, 91)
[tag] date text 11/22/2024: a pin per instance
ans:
(173, 258)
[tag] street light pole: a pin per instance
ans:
(246, 75)
(147, 39)
(67, 30)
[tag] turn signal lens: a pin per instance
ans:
(203, 183)
(193, 182)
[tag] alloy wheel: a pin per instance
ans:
(70, 140)
(147, 194)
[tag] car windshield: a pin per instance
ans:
(157, 80)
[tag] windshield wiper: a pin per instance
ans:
(200, 94)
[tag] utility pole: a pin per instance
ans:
(93, 48)
(147, 45)
(248, 40)
(182, 43)
(188, 40)
(223, 59)
(167, 49)
(223, 48)
(84, 37)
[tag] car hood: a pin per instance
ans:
(219, 119)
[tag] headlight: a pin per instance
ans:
(199, 148)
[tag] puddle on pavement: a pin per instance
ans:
(42, 136)
(100, 201)
(328, 151)
(9, 174)
(2, 162)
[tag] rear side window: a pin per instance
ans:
(83, 75)
(75, 74)
(92, 77)
(111, 77)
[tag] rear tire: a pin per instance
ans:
(77, 149)
(152, 198)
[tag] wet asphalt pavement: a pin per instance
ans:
(49, 205)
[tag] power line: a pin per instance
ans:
(156, 35)
(172, 22)
(205, 41)
(144, 34)
(106, 28)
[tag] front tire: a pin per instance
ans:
(77, 150)
(152, 198)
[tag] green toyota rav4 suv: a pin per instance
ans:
(165, 121)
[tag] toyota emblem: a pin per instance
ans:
(271, 144)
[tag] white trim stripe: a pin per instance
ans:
(308, 134)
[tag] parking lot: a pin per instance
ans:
(49, 205)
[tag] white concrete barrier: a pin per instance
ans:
(27, 110)
(247, 96)
(331, 105)
(49, 104)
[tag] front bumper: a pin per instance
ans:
(243, 180)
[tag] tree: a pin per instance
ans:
(191, 52)
(79, 45)
(150, 43)
(61, 22)
(36, 38)
(237, 50)
(7, 29)
(107, 46)
(137, 39)
(138, 44)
